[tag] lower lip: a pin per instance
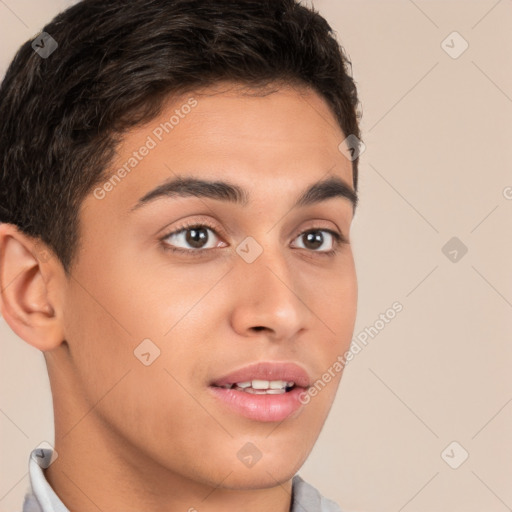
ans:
(260, 407)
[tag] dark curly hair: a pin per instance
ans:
(117, 62)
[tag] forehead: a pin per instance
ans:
(260, 141)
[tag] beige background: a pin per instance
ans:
(438, 162)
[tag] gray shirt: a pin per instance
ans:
(42, 498)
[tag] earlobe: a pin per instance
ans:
(25, 278)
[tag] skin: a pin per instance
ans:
(133, 437)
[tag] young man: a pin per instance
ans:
(178, 180)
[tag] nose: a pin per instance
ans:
(269, 298)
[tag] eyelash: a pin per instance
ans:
(339, 240)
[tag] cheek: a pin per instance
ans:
(337, 307)
(335, 302)
(139, 402)
(100, 348)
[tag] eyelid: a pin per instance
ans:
(199, 220)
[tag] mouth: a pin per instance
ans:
(265, 391)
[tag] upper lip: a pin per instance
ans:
(267, 371)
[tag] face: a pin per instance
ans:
(189, 302)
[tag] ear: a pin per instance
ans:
(32, 283)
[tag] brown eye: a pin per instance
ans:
(196, 237)
(313, 239)
(191, 238)
(323, 239)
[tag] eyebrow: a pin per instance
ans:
(185, 186)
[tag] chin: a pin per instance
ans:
(275, 467)
(264, 477)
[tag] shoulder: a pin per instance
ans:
(307, 497)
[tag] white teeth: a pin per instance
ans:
(273, 387)
(278, 384)
(261, 387)
(253, 391)
(260, 384)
